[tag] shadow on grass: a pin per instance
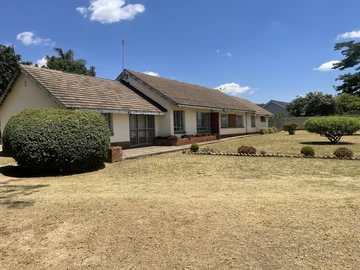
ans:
(14, 196)
(327, 143)
(18, 172)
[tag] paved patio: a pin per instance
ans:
(157, 150)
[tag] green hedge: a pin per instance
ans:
(57, 141)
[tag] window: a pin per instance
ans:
(108, 117)
(262, 119)
(239, 121)
(179, 121)
(203, 122)
(225, 123)
(253, 121)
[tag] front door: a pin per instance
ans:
(142, 130)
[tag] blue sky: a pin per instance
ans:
(259, 50)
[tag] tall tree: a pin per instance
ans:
(347, 104)
(8, 64)
(351, 82)
(313, 104)
(65, 61)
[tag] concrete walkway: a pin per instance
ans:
(157, 150)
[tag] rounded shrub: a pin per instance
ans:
(246, 150)
(343, 152)
(194, 147)
(290, 128)
(264, 131)
(57, 141)
(275, 129)
(308, 151)
(271, 130)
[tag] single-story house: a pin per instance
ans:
(138, 107)
(277, 107)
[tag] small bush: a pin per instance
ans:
(290, 127)
(308, 151)
(264, 131)
(275, 129)
(194, 147)
(271, 130)
(57, 141)
(246, 150)
(343, 152)
(263, 152)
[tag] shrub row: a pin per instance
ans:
(268, 130)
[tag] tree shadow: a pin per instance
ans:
(327, 143)
(18, 172)
(14, 196)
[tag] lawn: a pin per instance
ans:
(177, 211)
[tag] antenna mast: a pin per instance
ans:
(123, 52)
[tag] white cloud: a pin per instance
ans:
(217, 51)
(251, 92)
(82, 11)
(111, 11)
(41, 62)
(229, 54)
(347, 35)
(327, 66)
(275, 23)
(29, 38)
(151, 73)
(233, 89)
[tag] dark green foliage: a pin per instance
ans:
(347, 104)
(264, 131)
(194, 147)
(57, 141)
(65, 62)
(333, 128)
(351, 82)
(8, 64)
(313, 104)
(246, 150)
(343, 152)
(308, 151)
(290, 127)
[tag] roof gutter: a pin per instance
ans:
(215, 109)
(121, 111)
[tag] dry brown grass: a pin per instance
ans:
(283, 143)
(178, 211)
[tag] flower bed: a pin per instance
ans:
(175, 141)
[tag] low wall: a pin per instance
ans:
(184, 141)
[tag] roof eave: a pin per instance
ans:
(120, 111)
(212, 108)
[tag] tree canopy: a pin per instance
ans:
(350, 82)
(8, 63)
(313, 104)
(65, 61)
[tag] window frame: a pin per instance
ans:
(253, 121)
(241, 125)
(182, 119)
(228, 120)
(262, 119)
(203, 126)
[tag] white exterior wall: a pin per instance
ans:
(163, 123)
(23, 95)
(121, 128)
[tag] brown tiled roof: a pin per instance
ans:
(84, 92)
(258, 110)
(188, 95)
